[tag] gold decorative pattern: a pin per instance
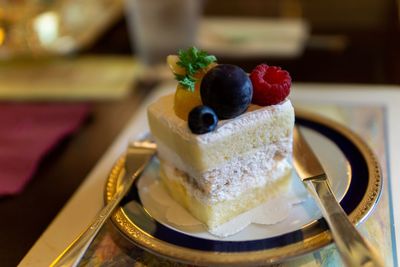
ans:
(268, 256)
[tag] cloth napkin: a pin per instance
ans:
(27, 132)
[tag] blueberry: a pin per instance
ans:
(227, 89)
(202, 119)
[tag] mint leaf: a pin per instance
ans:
(189, 83)
(186, 81)
(192, 60)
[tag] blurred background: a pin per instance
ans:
(353, 41)
(72, 73)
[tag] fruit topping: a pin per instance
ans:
(202, 119)
(227, 89)
(189, 68)
(172, 61)
(185, 101)
(271, 85)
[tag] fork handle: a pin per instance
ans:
(74, 252)
(353, 248)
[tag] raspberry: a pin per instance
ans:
(271, 85)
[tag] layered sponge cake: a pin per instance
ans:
(229, 153)
(223, 173)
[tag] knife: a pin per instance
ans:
(353, 248)
(138, 156)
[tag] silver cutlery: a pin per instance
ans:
(138, 156)
(353, 248)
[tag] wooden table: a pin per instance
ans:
(370, 57)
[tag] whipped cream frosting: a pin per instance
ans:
(163, 111)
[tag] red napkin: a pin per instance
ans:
(27, 133)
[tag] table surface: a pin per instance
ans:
(370, 110)
(365, 60)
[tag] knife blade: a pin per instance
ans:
(353, 248)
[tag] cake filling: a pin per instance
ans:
(234, 177)
(227, 191)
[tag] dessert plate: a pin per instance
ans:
(355, 177)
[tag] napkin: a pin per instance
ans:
(27, 133)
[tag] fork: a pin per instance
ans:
(138, 155)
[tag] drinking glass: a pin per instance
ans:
(161, 27)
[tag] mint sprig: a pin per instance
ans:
(187, 81)
(192, 60)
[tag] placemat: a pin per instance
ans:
(253, 37)
(75, 78)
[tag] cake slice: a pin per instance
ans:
(228, 155)
(220, 174)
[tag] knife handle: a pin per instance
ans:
(353, 248)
